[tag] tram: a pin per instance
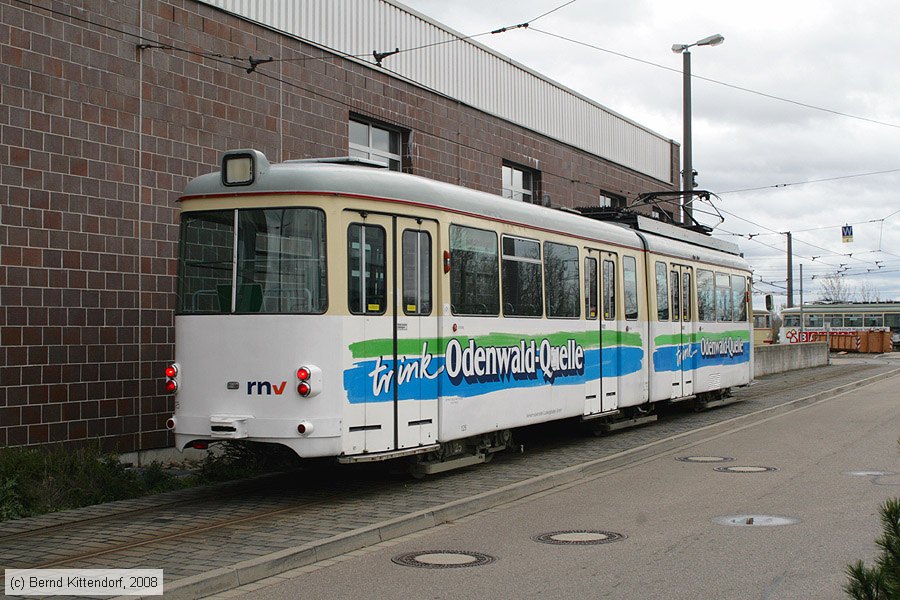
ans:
(842, 318)
(350, 311)
(762, 327)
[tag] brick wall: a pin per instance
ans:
(97, 138)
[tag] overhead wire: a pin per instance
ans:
(234, 61)
(716, 81)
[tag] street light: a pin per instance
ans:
(687, 163)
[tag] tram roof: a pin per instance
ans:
(353, 178)
(861, 307)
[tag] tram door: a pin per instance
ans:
(610, 355)
(600, 268)
(391, 330)
(681, 287)
(416, 332)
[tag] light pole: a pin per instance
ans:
(686, 161)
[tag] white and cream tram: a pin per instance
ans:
(354, 312)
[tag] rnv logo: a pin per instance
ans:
(265, 388)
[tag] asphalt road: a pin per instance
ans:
(669, 510)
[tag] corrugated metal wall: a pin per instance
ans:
(465, 71)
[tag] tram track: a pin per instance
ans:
(198, 494)
(173, 536)
(145, 518)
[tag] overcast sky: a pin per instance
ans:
(832, 54)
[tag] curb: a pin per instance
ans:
(242, 573)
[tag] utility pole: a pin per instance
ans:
(801, 300)
(687, 163)
(790, 271)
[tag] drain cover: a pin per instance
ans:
(579, 537)
(747, 469)
(443, 559)
(755, 521)
(704, 459)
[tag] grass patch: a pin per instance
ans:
(35, 481)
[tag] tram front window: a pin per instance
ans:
(280, 262)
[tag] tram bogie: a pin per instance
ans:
(366, 315)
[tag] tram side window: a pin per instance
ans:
(416, 273)
(835, 320)
(676, 305)
(609, 290)
(791, 321)
(852, 320)
(892, 321)
(706, 296)
(562, 285)
(813, 320)
(366, 270)
(686, 296)
(590, 288)
(206, 262)
(723, 297)
(629, 266)
(662, 292)
(739, 297)
(474, 273)
(521, 278)
(873, 320)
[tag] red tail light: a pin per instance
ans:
(310, 377)
(171, 384)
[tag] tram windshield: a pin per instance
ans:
(278, 266)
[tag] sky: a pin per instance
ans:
(841, 59)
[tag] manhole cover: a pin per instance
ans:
(746, 469)
(704, 459)
(579, 537)
(443, 559)
(869, 473)
(755, 521)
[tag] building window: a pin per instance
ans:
(376, 143)
(608, 200)
(661, 214)
(520, 184)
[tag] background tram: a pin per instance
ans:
(844, 318)
(762, 327)
(353, 312)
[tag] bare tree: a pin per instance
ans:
(835, 289)
(868, 292)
